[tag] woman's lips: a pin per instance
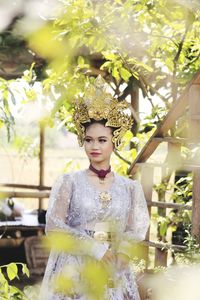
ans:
(94, 154)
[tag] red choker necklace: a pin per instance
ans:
(101, 173)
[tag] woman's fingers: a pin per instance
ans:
(122, 261)
(109, 257)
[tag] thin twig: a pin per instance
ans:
(121, 157)
(175, 61)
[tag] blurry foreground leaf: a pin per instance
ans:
(60, 241)
(95, 277)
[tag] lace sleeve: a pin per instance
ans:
(57, 213)
(138, 218)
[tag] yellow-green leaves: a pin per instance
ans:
(125, 74)
(60, 241)
(95, 277)
(25, 270)
(8, 291)
(12, 271)
(45, 43)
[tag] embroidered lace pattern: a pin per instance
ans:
(73, 204)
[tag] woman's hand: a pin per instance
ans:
(109, 257)
(122, 261)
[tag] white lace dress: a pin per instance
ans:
(74, 207)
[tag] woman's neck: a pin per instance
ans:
(100, 166)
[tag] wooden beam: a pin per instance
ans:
(169, 205)
(161, 245)
(184, 166)
(25, 186)
(169, 139)
(196, 205)
(160, 257)
(174, 113)
(38, 194)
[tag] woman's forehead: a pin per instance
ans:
(98, 130)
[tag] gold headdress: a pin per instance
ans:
(98, 104)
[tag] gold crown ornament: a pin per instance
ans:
(98, 104)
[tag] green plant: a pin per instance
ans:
(7, 274)
(191, 254)
(180, 193)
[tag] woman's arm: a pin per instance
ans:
(138, 218)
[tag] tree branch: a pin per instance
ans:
(175, 61)
(121, 157)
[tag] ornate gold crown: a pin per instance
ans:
(98, 104)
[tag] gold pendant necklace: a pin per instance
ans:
(102, 180)
(105, 198)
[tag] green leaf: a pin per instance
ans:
(81, 61)
(106, 65)
(163, 228)
(125, 74)
(2, 278)
(109, 55)
(25, 270)
(115, 73)
(12, 271)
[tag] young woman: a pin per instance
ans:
(96, 206)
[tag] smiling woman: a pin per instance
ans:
(101, 212)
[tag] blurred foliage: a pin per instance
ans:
(90, 276)
(155, 48)
(181, 193)
(191, 255)
(7, 274)
(26, 146)
(153, 45)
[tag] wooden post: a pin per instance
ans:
(173, 161)
(41, 161)
(196, 205)
(194, 131)
(135, 106)
(173, 157)
(194, 112)
(147, 184)
(160, 257)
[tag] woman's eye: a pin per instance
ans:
(102, 140)
(87, 140)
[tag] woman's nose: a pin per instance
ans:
(95, 145)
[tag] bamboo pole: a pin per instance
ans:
(25, 186)
(26, 194)
(41, 162)
(147, 182)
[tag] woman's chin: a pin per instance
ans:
(96, 159)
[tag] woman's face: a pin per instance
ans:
(98, 144)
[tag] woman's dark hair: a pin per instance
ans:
(102, 122)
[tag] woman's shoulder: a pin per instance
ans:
(128, 181)
(71, 176)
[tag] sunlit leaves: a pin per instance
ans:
(8, 291)
(64, 284)
(181, 193)
(25, 270)
(27, 147)
(64, 242)
(44, 42)
(12, 271)
(125, 74)
(95, 278)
